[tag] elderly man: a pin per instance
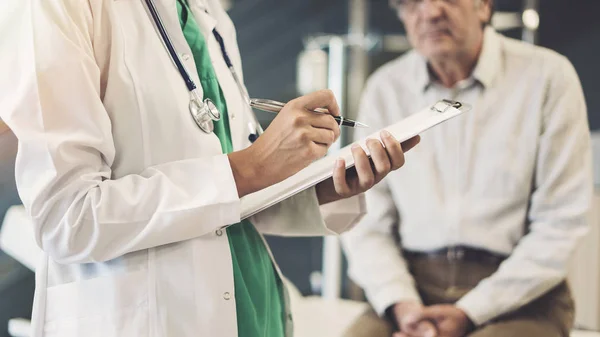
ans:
(491, 206)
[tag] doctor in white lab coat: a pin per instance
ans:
(129, 199)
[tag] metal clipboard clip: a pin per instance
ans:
(444, 104)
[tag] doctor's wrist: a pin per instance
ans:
(245, 172)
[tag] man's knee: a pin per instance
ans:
(519, 328)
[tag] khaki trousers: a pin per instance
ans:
(440, 281)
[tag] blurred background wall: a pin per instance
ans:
(271, 32)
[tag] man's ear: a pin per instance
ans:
(485, 10)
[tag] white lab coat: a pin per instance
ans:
(128, 197)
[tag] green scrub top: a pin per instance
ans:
(258, 288)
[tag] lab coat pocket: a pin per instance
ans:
(105, 306)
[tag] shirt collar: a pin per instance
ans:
(489, 64)
(487, 68)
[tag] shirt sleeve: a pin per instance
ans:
(559, 206)
(374, 259)
(80, 213)
(301, 215)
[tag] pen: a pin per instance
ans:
(275, 106)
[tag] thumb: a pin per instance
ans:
(426, 329)
(410, 322)
(320, 99)
(414, 325)
(411, 318)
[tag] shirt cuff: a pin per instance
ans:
(389, 294)
(223, 175)
(342, 215)
(478, 309)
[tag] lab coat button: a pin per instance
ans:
(289, 317)
(227, 296)
(219, 232)
(186, 57)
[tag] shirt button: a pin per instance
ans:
(219, 232)
(227, 296)
(186, 57)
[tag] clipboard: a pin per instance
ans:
(322, 169)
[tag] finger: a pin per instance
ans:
(409, 144)
(400, 334)
(318, 150)
(320, 99)
(432, 313)
(322, 136)
(366, 178)
(394, 150)
(403, 334)
(324, 122)
(426, 329)
(381, 160)
(410, 323)
(339, 178)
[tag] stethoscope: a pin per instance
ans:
(204, 112)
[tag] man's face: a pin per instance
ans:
(442, 28)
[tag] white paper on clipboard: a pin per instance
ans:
(323, 168)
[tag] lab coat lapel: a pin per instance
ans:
(235, 102)
(169, 15)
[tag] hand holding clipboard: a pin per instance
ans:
(322, 169)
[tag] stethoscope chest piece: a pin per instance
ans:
(205, 113)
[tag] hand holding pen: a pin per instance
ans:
(298, 136)
(275, 107)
